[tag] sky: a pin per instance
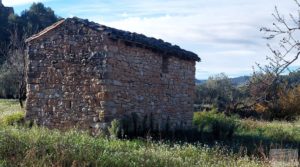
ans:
(224, 33)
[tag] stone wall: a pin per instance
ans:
(140, 85)
(64, 76)
(79, 77)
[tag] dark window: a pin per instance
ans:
(69, 105)
(165, 64)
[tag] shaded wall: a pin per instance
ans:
(150, 86)
(78, 77)
(64, 77)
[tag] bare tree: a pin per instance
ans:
(285, 32)
(16, 61)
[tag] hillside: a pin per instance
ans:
(235, 81)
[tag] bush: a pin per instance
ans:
(287, 106)
(290, 103)
(114, 129)
(218, 124)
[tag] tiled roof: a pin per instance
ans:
(139, 40)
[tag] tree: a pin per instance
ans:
(266, 84)
(6, 15)
(15, 65)
(37, 18)
(31, 21)
(219, 91)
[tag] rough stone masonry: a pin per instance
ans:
(83, 75)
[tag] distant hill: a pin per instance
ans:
(240, 80)
(235, 81)
(198, 82)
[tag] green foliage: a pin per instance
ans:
(275, 130)
(10, 112)
(43, 147)
(218, 124)
(21, 146)
(3, 163)
(114, 129)
(8, 84)
(14, 30)
(10, 119)
(226, 127)
(257, 98)
(37, 18)
(219, 91)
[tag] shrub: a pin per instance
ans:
(290, 103)
(114, 129)
(3, 163)
(218, 124)
(286, 105)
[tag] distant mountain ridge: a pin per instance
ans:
(237, 81)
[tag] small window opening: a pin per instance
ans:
(165, 64)
(69, 105)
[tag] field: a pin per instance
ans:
(37, 146)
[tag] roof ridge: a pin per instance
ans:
(140, 40)
(45, 31)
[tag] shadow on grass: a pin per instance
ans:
(252, 145)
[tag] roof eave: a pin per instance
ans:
(45, 31)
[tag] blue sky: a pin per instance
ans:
(224, 33)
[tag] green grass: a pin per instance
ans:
(231, 127)
(21, 146)
(9, 106)
(10, 112)
(275, 130)
(37, 146)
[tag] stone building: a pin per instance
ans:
(82, 74)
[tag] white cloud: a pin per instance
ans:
(19, 2)
(224, 33)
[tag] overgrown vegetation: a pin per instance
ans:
(218, 124)
(42, 147)
(21, 145)
(10, 112)
(37, 146)
(228, 127)
(247, 100)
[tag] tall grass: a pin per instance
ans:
(21, 146)
(232, 126)
(275, 130)
(10, 112)
(37, 146)
(218, 124)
